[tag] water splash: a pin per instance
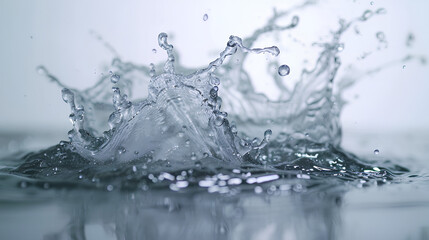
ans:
(180, 134)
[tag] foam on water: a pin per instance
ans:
(201, 129)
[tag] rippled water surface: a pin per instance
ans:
(202, 154)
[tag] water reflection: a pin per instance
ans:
(164, 214)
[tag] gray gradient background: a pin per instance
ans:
(57, 35)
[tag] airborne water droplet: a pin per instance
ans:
(41, 70)
(205, 17)
(154, 50)
(381, 11)
(410, 40)
(284, 70)
(367, 14)
(380, 36)
(295, 20)
(268, 134)
(376, 151)
(115, 78)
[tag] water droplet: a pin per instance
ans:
(213, 92)
(109, 188)
(410, 40)
(381, 11)
(258, 189)
(154, 50)
(174, 187)
(380, 36)
(298, 188)
(234, 181)
(152, 71)
(41, 70)
(372, 3)
(114, 120)
(376, 151)
(233, 129)
(404, 66)
(295, 20)
(214, 80)
(205, 17)
(182, 184)
(67, 95)
(121, 150)
(284, 70)
(267, 134)
(367, 14)
(206, 183)
(162, 41)
(219, 117)
(115, 78)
